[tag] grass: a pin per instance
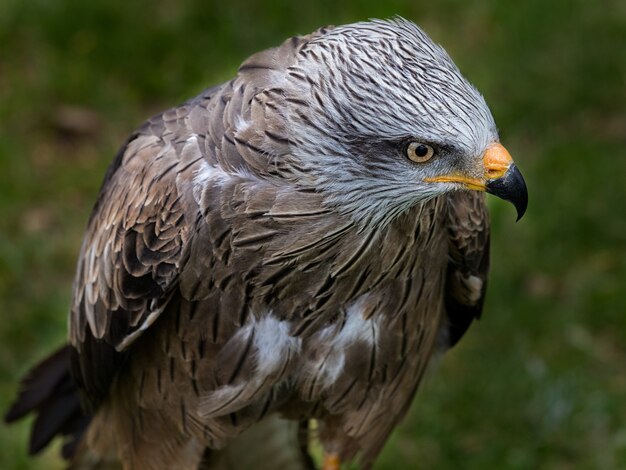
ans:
(539, 382)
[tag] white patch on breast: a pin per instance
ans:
(326, 367)
(272, 351)
(356, 327)
(273, 344)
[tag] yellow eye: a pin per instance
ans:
(419, 152)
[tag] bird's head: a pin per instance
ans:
(379, 118)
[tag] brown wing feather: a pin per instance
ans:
(132, 251)
(468, 266)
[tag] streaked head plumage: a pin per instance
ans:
(355, 96)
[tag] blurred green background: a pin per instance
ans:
(540, 381)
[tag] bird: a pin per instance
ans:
(293, 246)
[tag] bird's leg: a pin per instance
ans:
(331, 461)
(330, 433)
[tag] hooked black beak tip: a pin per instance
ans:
(511, 187)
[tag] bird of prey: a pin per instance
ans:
(295, 244)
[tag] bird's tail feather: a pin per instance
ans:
(49, 392)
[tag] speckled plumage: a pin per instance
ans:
(267, 248)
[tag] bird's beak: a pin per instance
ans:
(504, 179)
(501, 178)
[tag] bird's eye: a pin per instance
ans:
(419, 152)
